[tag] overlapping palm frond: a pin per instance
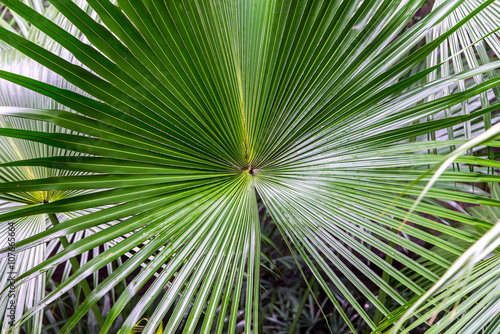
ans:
(191, 109)
(477, 42)
(457, 299)
(12, 149)
(466, 299)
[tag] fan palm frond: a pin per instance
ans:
(12, 149)
(190, 111)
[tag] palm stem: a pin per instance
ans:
(301, 307)
(75, 266)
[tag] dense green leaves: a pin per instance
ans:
(175, 118)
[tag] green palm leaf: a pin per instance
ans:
(14, 150)
(466, 298)
(189, 111)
